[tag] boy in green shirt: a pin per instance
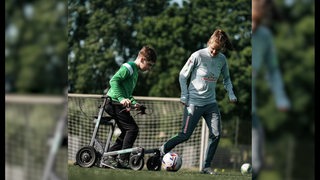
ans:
(122, 85)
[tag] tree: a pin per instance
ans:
(102, 38)
(35, 47)
(105, 34)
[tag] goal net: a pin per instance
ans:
(162, 121)
(33, 139)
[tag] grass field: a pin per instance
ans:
(95, 173)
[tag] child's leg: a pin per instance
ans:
(129, 129)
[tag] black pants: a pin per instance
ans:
(127, 125)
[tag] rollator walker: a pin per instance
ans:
(96, 152)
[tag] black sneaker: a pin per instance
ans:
(208, 171)
(123, 164)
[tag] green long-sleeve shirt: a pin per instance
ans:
(123, 82)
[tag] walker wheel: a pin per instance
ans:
(86, 156)
(136, 162)
(154, 163)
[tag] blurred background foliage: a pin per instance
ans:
(293, 31)
(290, 136)
(35, 47)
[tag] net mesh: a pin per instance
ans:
(162, 121)
(30, 125)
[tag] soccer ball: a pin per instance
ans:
(246, 168)
(171, 161)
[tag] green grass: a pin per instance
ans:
(96, 173)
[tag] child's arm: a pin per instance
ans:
(183, 78)
(227, 83)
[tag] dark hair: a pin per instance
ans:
(149, 53)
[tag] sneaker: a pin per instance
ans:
(123, 164)
(208, 171)
(110, 162)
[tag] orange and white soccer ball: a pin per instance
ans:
(171, 161)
